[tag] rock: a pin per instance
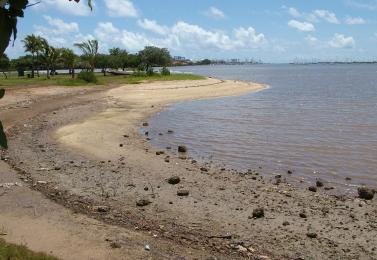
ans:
(303, 215)
(204, 169)
(258, 213)
(319, 183)
(312, 189)
(174, 180)
(146, 188)
(42, 182)
(290, 172)
(348, 178)
(115, 245)
(101, 209)
(145, 124)
(182, 149)
(183, 193)
(143, 202)
(147, 248)
(120, 145)
(167, 160)
(366, 193)
(170, 131)
(286, 223)
(311, 235)
(57, 168)
(160, 152)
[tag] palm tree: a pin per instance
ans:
(50, 57)
(68, 57)
(90, 51)
(32, 44)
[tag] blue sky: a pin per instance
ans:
(271, 30)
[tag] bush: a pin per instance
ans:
(150, 71)
(165, 71)
(87, 76)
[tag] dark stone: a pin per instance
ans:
(203, 169)
(57, 168)
(278, 176)
(142, 202)
(160, 152)
(120, 145)
(182, 149)
(145, 124)
(183, 193)
(115, 245)
(302, 215)
(319, 183)
(170, 131)
(167, 160)
(366, 193)
(312, 189)
(311, 235)
(348, 178)
(290, 172)
(258, 213)
(174, 180)
(102, 209)
(286, 223)
(146, 188)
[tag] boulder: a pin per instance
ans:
(366, 193)
(182, 149)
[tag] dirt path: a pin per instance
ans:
(88, 155)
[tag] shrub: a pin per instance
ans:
(87, 76)
(150, 71)
(165, 71)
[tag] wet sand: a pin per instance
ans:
(90, 157)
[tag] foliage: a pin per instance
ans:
(16, 252)
(103, 62)
(165, 71)
(118, 58)
(87, 76)
(50, 57)
(68, 57)
(90, 52)
(154, 56)
(204, 62)
(34, 45)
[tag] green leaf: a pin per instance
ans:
(90, 4)
(3, 137)
(2, 93)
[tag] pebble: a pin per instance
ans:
(312, 189)
(258, 213)
(143, 202)
(312, 235)
(145, 124)
(183, 193)
(182, 149)
(174, 180)
(101, 209)
(319, 183)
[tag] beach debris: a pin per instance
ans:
(145, 124)
(174, 180)
(115, 245)
(258, 213)
(42, 182)
(366, 193)
(319, 183)
(311, 235)
(142, 202)
(182, 149)
(147, 248)
(170, 131)
(183, 193)
(10, 185)
(101, 208)
(312, 189)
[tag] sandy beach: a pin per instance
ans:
(88, 153)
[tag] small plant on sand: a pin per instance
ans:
(87, 76)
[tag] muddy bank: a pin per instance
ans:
(91, 158)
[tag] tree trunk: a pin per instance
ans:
(48, 72)
(73, 73)
(38, 65)
(5, 74)
(32, 66)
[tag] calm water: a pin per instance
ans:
(318, 120)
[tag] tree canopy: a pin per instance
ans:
(154, 56)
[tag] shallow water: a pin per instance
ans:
(318, 120)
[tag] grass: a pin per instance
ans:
(15, 252)
(66, 80)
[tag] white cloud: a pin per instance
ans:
(61, 27)
(121, 8)
(364, 4)
(294, 12)
(341, 41)
(301, 26)
(355, 20)
(325, 15)
(215, 13)
(153, 26)
(311, 40)
(64, 6)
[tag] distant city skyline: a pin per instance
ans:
(271, 31)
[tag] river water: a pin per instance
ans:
(318, 120)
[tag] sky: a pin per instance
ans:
(270, 30)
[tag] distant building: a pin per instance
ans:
(180, 60)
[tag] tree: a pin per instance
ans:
(68, 58)
(103, 62)
(4, 64)
(90, 52)
(119, 58)
(50, 57)
(154, 56)
(34, 45)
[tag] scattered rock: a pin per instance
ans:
(167, 160)
(290, 172)
(286, 223)
(57, 168)
(146, 188)
(143, 202)
(204, 169)
(319, 183)
(182, 149)
(311, 235)
(366, 193)
(174, 180)
(42, 182)
(312, 189)
(348, 179)
(329, 188)
(102, 209)
(145, 124)
(120, 145)
(147, 248)
(303, 215)
(126, 136)
(258, 213)
(183, 193)
(115, 245)
(160, 152)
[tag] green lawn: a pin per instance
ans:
(66, 80)
(14, 252)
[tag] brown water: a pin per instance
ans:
(319, 121)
